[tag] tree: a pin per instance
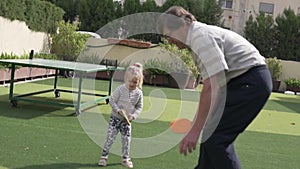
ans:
(196, 8)
(38, 15)
(69, 6)
(110, 10)
(99, 14)
(85, 16)
(279, 39)
(288, 36)
(211, 12)
(261, 28)
(131, 7)
(206, 11)
(118, 11)
(95, 14)
(169, 3)
(112, 21)
(91, 14)
(150, 6)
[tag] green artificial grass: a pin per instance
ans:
(35, 136)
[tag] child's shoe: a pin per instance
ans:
(127, 163)
(102, 162)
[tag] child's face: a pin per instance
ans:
(133, 83)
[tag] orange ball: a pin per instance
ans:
(181, 125)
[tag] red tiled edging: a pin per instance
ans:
(130, 43)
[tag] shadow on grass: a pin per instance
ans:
(102, 85)
(64, 166)
(260, 149)
(61, 81)
(27, 110)
(290, 99)
(284, 105)
(172, 93)
(295, 107)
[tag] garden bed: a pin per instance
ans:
(25, 73)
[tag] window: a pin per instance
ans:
(226, 3)
(266, 8)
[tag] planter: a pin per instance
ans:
(4, 75)
(178, 80)
(50, 72)
(119, 75)
(156, 80)
(91, 75)
(276, 84)
(292, 84)
(37, 72)
(105, 75)
(147, 79)
(22, 73)
(294, 89)
(191, 84)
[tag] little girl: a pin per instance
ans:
(128, 98)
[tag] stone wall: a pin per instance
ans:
(289, 69)
(17, 38)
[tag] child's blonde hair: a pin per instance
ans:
(135, 71)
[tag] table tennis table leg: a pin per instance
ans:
(56, 92)
(78, 105)
(11, 87)
(110, 84)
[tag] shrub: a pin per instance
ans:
(292, 82)
(38, 15)
(157, 67)
(24, 56)
(275, 67)
(182, 59)
(67, 43)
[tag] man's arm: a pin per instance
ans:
(189, 141)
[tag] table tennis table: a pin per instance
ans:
(80, 69)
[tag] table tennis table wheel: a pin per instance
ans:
(77, 112)
(57, 93)
(14, 103)
(107, 101)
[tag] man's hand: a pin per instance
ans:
(189, 142)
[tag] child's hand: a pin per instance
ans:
(130, 117)
(120, 112)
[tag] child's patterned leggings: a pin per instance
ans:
(116, 125)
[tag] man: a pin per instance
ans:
(236, 85)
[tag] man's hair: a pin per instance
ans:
(174, 18)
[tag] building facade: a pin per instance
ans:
(237, 12)
(158, 2)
